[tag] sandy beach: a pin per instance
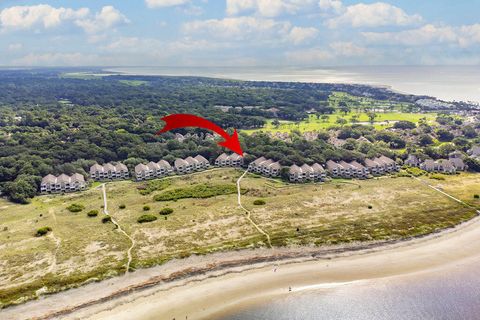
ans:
(203, 287)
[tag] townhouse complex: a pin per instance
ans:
(266, 167)
(62, 183)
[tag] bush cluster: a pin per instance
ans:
(259, 202)
(198, 191)
(146, 208)
(122, 206)
(146, 218)
(106, 219)
(166, 211)
(74, 207)
(43, 231)
(92, 213)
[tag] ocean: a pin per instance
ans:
(460, 83)
(438, 295)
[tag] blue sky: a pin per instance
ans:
(239, 32)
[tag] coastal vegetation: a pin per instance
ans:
(337, 212)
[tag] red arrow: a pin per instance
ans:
(175, 121)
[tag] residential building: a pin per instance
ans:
(182, 166)
(374, 167)
(109, 171)
(360, 171)
(254, 166)
(62, 183)
(152, 170)
(334, 169)
(203, 163)
(474, 152)
(348, 171)
(306, 173)
(458, 164)
(233, 160)
(412, 161)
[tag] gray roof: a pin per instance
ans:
(140, 168)
(108, 167)
(180, 162)
(331, 165)
(294, 169)
(259, 161)
(200, 158)
(306, 168)
(49, 179)
(235, 156)
(457, 163)
(346, 165)
(357, 165)
(63, 178)
(275, 165)
(386, 160)
(121, 167)
(153, 165)
(475, 151)
(317, 168)
(77, 177)
(164, 164)
(371, 163)
(191, 160)
(429, 164)
(96, 167)
(221, 157)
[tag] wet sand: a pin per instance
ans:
(210, 284)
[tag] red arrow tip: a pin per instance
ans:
(233, 143)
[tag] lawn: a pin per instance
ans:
(80, 248)
(382, 121)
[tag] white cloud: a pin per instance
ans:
(333, 5)
(267, 8)
(300, 35)
(348, 49)
(107, 18)
(247, 28)
(463, 36)
(46, 16)
(15, 47)
(164, 3)
(376, 14)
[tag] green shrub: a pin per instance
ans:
(166, 211)
(92, 213)
(154, 185)
(106, 219)
(122, 206)
(476, 196)
(146, 208)
(259, 202)
(75, 207)
(437, 176)
(43, 231)
(198, 191)
(370, 206)
(146, 218)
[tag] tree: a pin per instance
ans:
(371, 117)
(444, 135)
(341, 121)
(354, 118)
(404, 125)
(425, 140)
(22, 189)
(325, 117)
(276, 123)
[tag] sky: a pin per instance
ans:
(239, 32)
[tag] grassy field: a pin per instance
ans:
(80, 248)
(382, 121)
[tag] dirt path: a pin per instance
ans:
(445, 194)
(57, 241)
(105, 210)
(248, 212)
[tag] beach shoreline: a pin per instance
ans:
(193, 286)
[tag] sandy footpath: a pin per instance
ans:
(200, 287)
